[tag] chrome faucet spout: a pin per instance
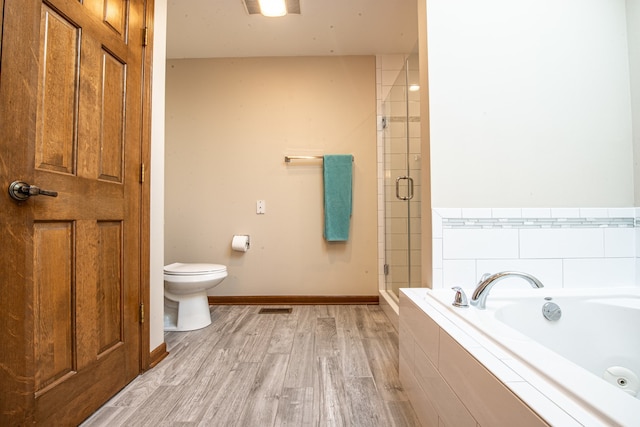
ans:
(479, 298)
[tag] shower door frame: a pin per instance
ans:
(401, 195)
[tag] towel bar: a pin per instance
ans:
(288, 159)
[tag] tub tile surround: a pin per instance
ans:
(462, 360)
(563, 247)
(457, 371)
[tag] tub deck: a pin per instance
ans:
(558, 391)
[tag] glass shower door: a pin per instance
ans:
(402, 180)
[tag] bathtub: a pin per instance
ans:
(585, 365)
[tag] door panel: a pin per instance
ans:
(53, 283)
(57, 94)
(110, 287)
(114, 15)
(113, 107)
(71, 122)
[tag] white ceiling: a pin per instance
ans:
(223, 28)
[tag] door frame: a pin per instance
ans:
(145, 194)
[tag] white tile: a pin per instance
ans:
(599, 273)
(449, 212)
(437, 253)
(388, 79)
(480, 243)
(506, 213)
(459, 273)
(392, 62)
(476, 213)
(579, 412)
(436, 224)
(553, 414)
(620, 242)
(452, 327)
(594, 213)
(536, 212)
(495, 365)
(622, 212)
(548, 271)
(384, 91)
(437, 279)
(561, 243)
(565, 212)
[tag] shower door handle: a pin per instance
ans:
(409, 180)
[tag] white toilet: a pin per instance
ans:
(186, 306)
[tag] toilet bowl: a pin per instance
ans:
(186, 306)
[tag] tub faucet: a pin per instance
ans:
(479, 298)
(460, 298)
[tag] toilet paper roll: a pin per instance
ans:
(240, 243)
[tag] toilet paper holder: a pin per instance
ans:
(241, 242)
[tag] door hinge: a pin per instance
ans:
(142, 171)
(386, 269)
(142, 313)
(145, 36)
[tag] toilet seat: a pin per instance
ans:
(195, 269)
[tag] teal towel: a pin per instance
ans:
(337, 196)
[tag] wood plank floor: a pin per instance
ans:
(324, 365)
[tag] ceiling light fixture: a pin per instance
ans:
(272, 7)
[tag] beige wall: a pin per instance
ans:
(229, 124)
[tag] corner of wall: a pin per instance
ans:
(156, 262)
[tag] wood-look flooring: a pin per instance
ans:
(323, 365)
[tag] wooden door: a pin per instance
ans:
(70, 122)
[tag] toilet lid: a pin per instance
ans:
(188, 269)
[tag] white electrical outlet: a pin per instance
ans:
(261, 207)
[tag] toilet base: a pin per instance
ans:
(186, 312)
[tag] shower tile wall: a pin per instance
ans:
(388, 67)
(564, 248)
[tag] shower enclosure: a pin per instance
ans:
(402, 168)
